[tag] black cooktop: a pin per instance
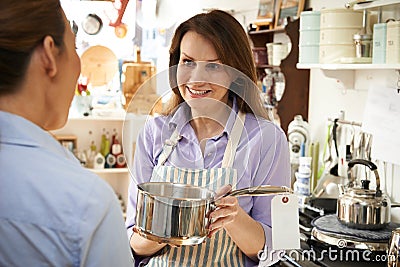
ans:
(316, 253)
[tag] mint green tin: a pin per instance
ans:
(379, 43)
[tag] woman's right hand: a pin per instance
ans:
(143, 246)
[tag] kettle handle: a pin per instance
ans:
(364, 162)
(371, 166)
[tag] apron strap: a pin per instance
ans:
(230, 151)
(168, 147)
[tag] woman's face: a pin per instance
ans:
(200, 73)
(69, 68)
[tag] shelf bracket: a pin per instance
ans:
(344, 78)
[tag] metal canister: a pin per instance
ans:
(363, 44)
(393, 42)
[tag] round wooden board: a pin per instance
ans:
(99, 64)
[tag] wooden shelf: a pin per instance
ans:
(263, 32)
(96, 118)
(122, 117)
(108, 171)
(376, 4)
(349, 66)
(265, 66)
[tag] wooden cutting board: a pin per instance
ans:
(99, 64)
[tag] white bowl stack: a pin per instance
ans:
(337, 27)
(309, 37)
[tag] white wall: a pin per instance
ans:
(328, 96)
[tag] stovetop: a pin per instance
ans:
(316, 253)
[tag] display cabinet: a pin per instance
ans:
(86, 131)
(295, 98)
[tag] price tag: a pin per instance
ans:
(285, 222)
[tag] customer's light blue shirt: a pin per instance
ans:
(52, 211)
(262, 157)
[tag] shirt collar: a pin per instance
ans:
(23, 132)
(181, 118)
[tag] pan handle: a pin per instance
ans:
(261, 190)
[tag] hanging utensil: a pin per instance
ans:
(334, 169)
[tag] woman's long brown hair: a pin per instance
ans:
(23, 25)
(233, 49)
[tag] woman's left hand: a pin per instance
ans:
(225, 213)
(229, 215)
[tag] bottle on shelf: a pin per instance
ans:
(116, 150)
(279, 85)
(90, 152)
(103, 141)
(110, 161)
(121, 161)
(99, 161)
(105, 144)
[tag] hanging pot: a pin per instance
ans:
(178, 214)
(361, 207)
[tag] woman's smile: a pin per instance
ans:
(196, 93)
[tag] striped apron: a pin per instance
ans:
(219, 250)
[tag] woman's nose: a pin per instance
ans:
(199, 74)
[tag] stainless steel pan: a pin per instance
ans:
(178, 213)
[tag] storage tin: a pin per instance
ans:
(309, 37)
(338, 35)
(341, 18)
(310, 20)
(379, 43)
(393, 42)
(309, 54)
(333, 53)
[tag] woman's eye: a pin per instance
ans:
(189, 63)
(214, 66)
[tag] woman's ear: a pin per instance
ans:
(48, 55)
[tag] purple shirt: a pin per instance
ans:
(262, 157)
